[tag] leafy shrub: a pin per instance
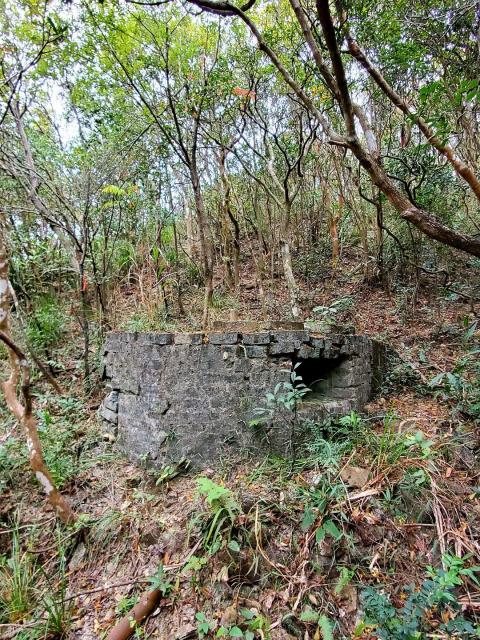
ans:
(61, 442)
(40, 266)
(124, 256)
(45, 324)
(433, 606)
(224, 509)
(461, 386)
(249, 626)
(327, 317)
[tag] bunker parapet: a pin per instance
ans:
(192, 395)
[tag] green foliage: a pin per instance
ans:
(32, 596)
(36, 264)
(59, 447)
(461, 386)
(59, 609)
(411, 498)
(325, 451)
(249, 626)
(336, 437)
(432, 606)
(224, 301)
(62, 441)
(224, 511)
(344, 579)
(316, 502)
(327, 317)
(171, 471)
(18, 579)
(151, 320)
(124, 256)
(400, 375)
(45, 325)
(342, 304)
(325, 625)
(161, 582)
(286, 396)
(125, 604)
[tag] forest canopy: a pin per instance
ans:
(203, 132)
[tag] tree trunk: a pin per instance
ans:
(423, 220)
(19, 368)
(206, 246)
(290, 278)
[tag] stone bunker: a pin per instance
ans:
(173, 396)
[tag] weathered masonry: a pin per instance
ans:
(172, 396)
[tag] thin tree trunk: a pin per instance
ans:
(206, 247)
(20, 369)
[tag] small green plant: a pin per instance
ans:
(344, 579)
(342, 304)
(418, 440)
(433, 606)
(325, 318)
(323, 451)
(315, 512)
(171, 471)
(323, 622)
(194, 566)
(223, 301)
(125, 604)
(18, 579)
(160, 582)
(282, 405)
(204, 626)
(224, 511)
(461, 386)
(250, 626)
(58, 608)
(286, 395)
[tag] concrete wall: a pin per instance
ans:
(192, 395)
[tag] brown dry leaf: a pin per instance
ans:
(350, 598)
(222, 575)
(244, 93)
(229, 616)
(355, 476)
(269, 599)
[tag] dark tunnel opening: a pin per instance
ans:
(316, 374)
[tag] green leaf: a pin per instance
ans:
(332, 529)
(320, 535)
(436, 380)
(326, 627)
(234, 546)
(309, 615)
(236, 632)
(308, 519)
(247, 614)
